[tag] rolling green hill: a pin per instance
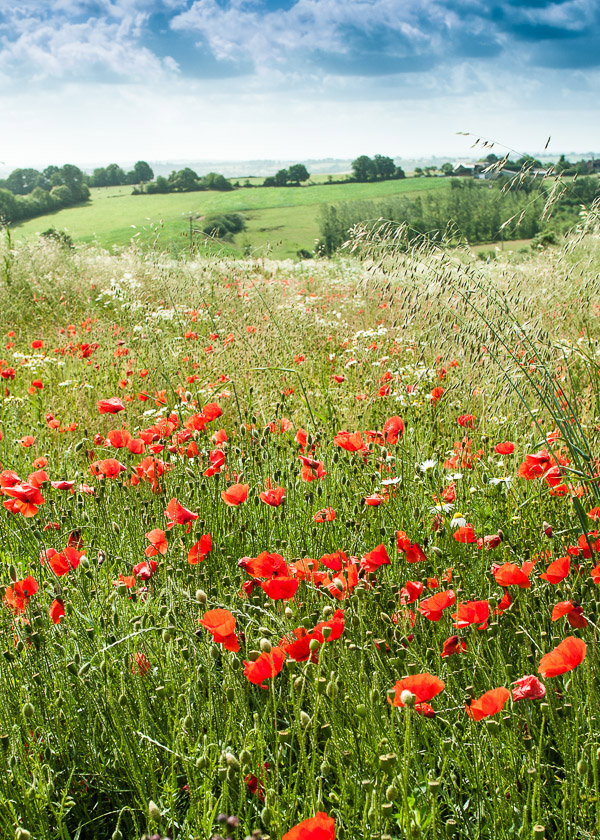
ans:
(281, 220)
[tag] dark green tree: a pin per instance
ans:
(385, 167)
(24, 181)
(298, 172)
(183, 180)
(364, 169)
(281, 178)
(142, 171)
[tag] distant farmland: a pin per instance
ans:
(279, 220)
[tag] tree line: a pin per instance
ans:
(27, 193)
(474, 211)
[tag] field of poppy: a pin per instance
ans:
(300, 552)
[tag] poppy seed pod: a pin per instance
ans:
(407, 698)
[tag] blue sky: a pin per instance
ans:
(93, 80)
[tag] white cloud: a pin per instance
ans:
(94, 48)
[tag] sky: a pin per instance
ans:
(95, 81)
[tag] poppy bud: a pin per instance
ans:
(305, 720)
(116, 835)
(13, 573)
(547, 529)
(28, 711)
(265, 645)
(22, 834)
(266, 815)
(153, 811)
(314, 645)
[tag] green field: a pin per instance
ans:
(280, 220)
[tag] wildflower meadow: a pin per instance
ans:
(300, 551)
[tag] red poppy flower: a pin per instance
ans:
(436, 394)
(449, 494)
(375, 558)
(573, 612)
(110, 468)
(413, 551)
(488, 704)
(472, 612)
(411, 591)
(267, 666)
(453, 645)
(536, 465)
(465, 534)
(24, 499)
(350, 441)
(504, 604)
(179, 515)
(221, 624)
(433, 607)
(528, 688)
(489, 542)
(335, 625)
(273, 496)
(509, 574)
(557, 571)
(140, 665)
(326, 514)
(311, 469)
(199, 550)
(145, 569)
(565, 657)
(393, 429)
(265, 565)
(424, 686)
(110, 406)
(506, 448)
(62, 562)
(158, 542)
(235, 495)
(280, 588)
(17, 597)
(466, 420)
(319, 827)
(57, 610)
(299, 649)
(334, 561)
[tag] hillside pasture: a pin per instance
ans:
(116, 217)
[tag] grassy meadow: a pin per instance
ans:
(298, 551)
(280, 220)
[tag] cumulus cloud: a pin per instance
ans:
(291, 40)
(371, 37)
